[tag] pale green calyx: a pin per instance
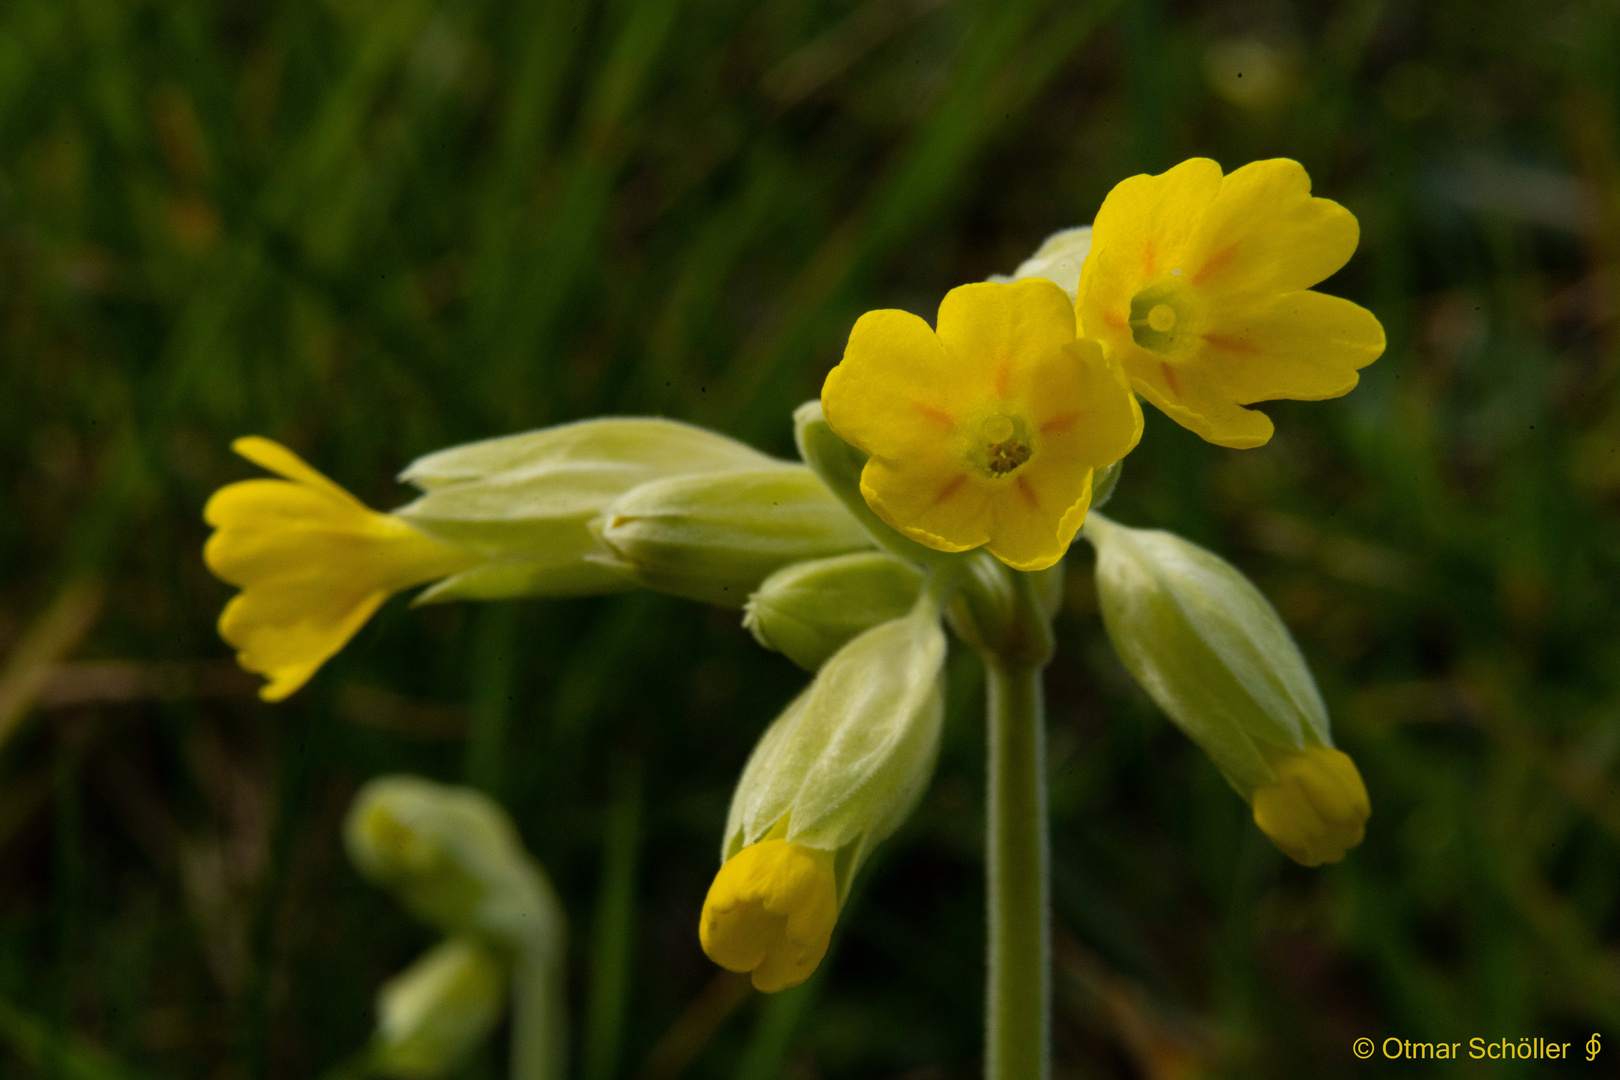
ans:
(432, 1015)
(810, 610)
(1058, 259)
(453, 858)
(848, 760)
(525, 501)
(716, 537)
(1209, 649)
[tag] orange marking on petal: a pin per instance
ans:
(1118, 322)
(1060, 423)
(949, 489)
(1170, 378)
(937, 415)
(1149, 254)
(1003, 376)
(1230, 344)
(1028, 493)
(1216, 261)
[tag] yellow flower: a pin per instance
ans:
(771, 912)
(987, 431)
(1317, 807)
(313, 563)
(1200, 283)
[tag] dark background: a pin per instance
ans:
(373, 228)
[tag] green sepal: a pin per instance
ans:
(810, 610)
(716, 537)
(1209, 649)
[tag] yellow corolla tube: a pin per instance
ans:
(1200, 283)
(984, 431)
(770, 912)
(1316, 808)
(313, 563)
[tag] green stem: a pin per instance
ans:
(1019, 984)
(539, 1020)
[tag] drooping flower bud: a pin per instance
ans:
(525, 501)
(716, 537)
(771, 912)
(809, 610)
(436, 1012)
(837, 773)
(1213, 654)
(454, 859)
(1316, 808)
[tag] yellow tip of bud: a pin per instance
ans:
(771, 911)
(1317, 807)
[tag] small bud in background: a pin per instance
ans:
(716, 537)
(810, 610)
(525, 501)
(1212, 652)
(835, 775)
(452, 857)
(1058, 259)
(436, 1012)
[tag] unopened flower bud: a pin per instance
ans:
(837, 773)
(809, 610)
(1212, 652)
(525, 501)
(770, 912)
(1316, 809)
(1058, 259)
(435, 1013)
(716, 537)
(453, 857)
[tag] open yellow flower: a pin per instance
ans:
(313, 563)
(1201, 284)
(985, 432)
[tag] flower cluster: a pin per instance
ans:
(1192, 290)
(946, 471)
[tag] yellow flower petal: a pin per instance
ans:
(1316, 809)
(929, 497)
(1264, 233)
(313, 564)
(273, 457)
(1301, 345)
(771, 912)
(1141, 232)
(1002, 335)
(1184, 392)
(897, 387)
(1034, 523)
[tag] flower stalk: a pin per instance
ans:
(1018, 986)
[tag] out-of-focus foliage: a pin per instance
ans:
(373, 229)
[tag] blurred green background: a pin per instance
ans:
(372, 228)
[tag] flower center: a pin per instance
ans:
(1003, 445)
(1162, 316)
